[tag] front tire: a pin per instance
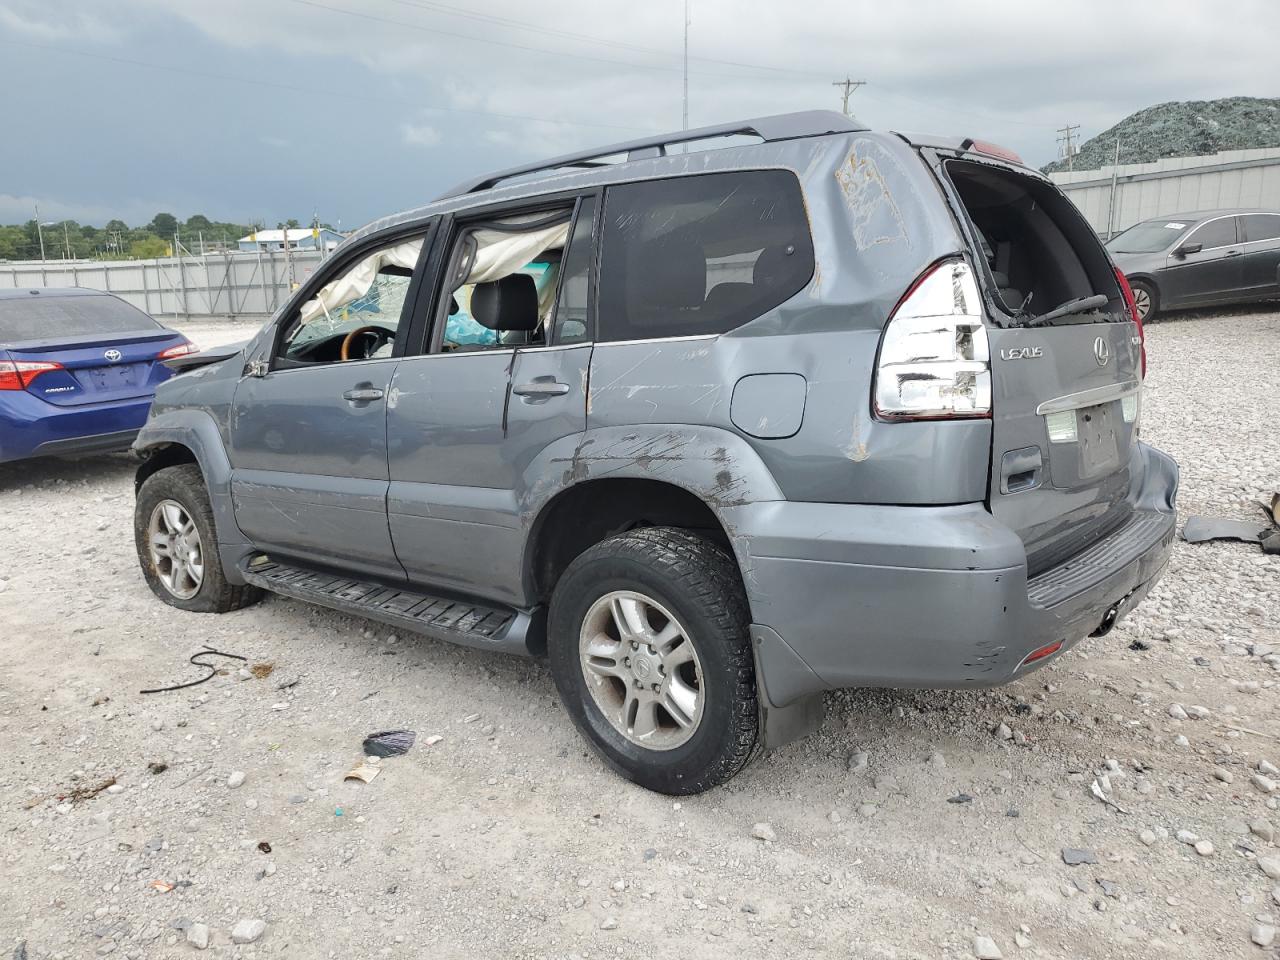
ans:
(1146, 299)
(648, 637)
(177, 544)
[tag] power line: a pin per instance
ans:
(849, 86)
(528, 26)
(506, 43)
(311, 92)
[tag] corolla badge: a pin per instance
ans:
(1101, 351)
(113, 355)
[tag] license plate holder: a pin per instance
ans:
(113, 378)
(1098, 444)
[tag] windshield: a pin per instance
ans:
(44, 317)
(380, 305)
(1150, 237)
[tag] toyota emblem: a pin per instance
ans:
(113, 355)
(1101, 351)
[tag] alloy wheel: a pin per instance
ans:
(176, 550)
(642, 669)
(1142, 300)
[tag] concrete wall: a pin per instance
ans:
(217, 284)
(1233, 178)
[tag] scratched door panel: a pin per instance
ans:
(309, 467)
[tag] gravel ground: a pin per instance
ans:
(505, 838)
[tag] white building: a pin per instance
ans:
(299, 238)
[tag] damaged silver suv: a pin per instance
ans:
(716, 421)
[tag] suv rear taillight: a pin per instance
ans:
(1131, 305)
(181, 350)
(18, 374)
(934, 361)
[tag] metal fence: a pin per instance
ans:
(193, 285)
(1115, 198)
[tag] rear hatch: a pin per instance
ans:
(78, 348)
(1066, 359)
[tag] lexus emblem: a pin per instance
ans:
(113, 355)
(1101, 352)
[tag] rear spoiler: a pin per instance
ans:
(963, 145)
(191, 361)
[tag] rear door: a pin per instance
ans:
(1261, 268)
(1211, 274)
(1065, 393)
(469, 416)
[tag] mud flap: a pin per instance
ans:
(800, 715)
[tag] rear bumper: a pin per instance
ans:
(30, 427)
(860, 595)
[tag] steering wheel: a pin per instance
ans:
(381, 336)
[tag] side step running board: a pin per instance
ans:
(456, 621)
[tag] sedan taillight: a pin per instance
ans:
(181, 350)
(18, 374)
(934, 360)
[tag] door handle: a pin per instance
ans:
(1232, 253)
(363, 395)
(541, 389)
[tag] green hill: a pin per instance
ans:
(1193, 128)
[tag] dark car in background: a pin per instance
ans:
(78, 370)
(1200, 259)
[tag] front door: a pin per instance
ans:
(504, 377)
(1208, 275)
(308, 434)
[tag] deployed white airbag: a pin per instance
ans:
(357, 281)
(501, 253)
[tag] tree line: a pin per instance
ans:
(117, 240)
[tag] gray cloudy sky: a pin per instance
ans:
(273, 109)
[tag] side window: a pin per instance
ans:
(1261, 226)
(575, 279)
(358, 315)
(700, 254)
(502, 281)
(1215, 233)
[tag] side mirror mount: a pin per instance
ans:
(1187, 248)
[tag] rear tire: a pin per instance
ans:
(177, 544)
(648, 637)
(1147, 300)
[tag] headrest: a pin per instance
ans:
(507, 304)
(668, 273)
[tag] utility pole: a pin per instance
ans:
(1068, 141)
(66, 239)
(848, 86)
(1111, 207)
(685, 125)
(288, 257)
(40, 231)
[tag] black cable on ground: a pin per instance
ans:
(207, 651)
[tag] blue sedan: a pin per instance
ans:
(78, 370)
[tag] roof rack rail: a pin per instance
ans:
(783, 126)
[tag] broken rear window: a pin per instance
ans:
(1040, 252)
(700, 255)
